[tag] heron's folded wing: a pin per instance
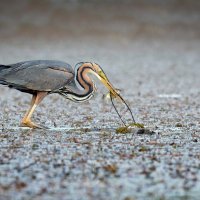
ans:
(39, 79)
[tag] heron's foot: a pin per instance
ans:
(30, 124)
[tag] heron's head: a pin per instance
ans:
(99, 73)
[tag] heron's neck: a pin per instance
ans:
(84, 85)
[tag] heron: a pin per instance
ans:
(43, 77)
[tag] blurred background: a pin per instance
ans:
(103, 20)
(138, 34)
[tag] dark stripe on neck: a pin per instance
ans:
(81, 76)
(81, 97)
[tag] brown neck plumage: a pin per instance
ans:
(85, 83)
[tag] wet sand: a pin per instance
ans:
(153, 60)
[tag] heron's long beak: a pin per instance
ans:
(103, 78)
(107, 83)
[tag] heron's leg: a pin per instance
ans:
(31, 105)
(36, 99)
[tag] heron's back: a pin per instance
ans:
(36, 75)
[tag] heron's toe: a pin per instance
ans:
(30, 124)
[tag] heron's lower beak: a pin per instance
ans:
(110, 87)
(103, 78)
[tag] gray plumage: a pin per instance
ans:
(37, 75)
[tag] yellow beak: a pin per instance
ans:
(107, 83)
(103, 78)
(110, 87)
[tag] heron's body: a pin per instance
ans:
(42, 77)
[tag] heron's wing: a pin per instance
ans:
(55, 64)
(38, 76)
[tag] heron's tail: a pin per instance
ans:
(2, 68)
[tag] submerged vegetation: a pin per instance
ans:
(128, 129)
